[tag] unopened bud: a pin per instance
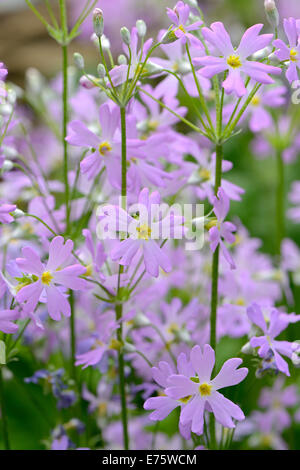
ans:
(122, 59)
(141, 320)
(7, 165)
(18, 213)
(129, 348)
(78, 60)
(169, 37)
(272, 13)
(87, 83)
(192, 3)
(101, 71)
(247, 349)
(125, 35)
(141, 28)
(98, 22)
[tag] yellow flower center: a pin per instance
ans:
(144, 232)
(89, 270)
(234, 61)
(47, 278)
(185, 399)
(115, 344)
(173, 328)
(181, 27)
(204, 174)
(102, 408)
(153, 125)
(205, 389)
(293, 55)
(104, 148)
(255, 101)
(240, 301)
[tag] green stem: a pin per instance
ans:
(124, 157)
(64, 132)
(214, 286)
(119, 307)
(3, 414)
(73, 338)
(280, 205)
(119, 311)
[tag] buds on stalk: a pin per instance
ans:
(272, 13)
(101, 71)
(78, 60)
(98, 22)
(122, 59)
(169, 37)
(141, 28)
(125, 35)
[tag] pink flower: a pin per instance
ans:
(180, 18)
(143, 232)
(222, 230)
(290, 53)
(43, 280)
(3, 71)
(5, 210)
(235, 61)
(277, 323)
(7, 317)
(195, 392)
(105, 151)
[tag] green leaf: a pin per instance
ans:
(2, 353)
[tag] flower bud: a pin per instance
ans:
(18, 213)
(272, 13)
(141, 320)
(128, 348)
(86, 83)
(98, 22)
(7, 165)
(122, 59)
(169, 37)
(125, 35)
(78, 60)
(192, 3)
(141, 28)
(246, 349)
(101, 71)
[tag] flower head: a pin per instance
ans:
(195, 392)
(48, 278)
(236, 61)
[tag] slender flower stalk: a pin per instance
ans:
(215, 284)
(280, 203)
(119, 307)
(3, 414)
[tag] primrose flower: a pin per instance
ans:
(42, 280)
(7, 317)
(271, 329)
(290, 53)
(222, 230)
(195, 392)
(236, 61)
(143, 231)
(5, 213)
(179, 15)
(105, 151)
